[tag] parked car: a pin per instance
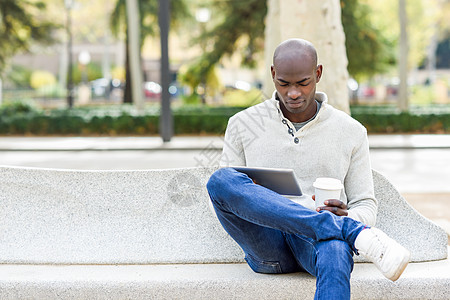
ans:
(152, 89)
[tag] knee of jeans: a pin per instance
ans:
(219, 178)
(216, 179)
(335, 255)
(265, 267)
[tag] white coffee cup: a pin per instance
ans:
(327, 188)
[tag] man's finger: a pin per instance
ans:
(335, 202)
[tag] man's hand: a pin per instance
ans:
(335, 206)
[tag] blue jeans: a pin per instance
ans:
(281, 236)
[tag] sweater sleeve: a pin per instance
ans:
(233, 150)
(362, 205)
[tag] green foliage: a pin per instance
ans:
(149, 16)
(51, 91)
(149, 26)
(189, 77)
(19, 76)
(242, 23)
(368, 48)
(22, 118)
(242, 98)
(93, 71)
(9, 109)
(421, 94)
(192, 99)
(389, 119)
(369, 52)
(21, 23)
(41, 79)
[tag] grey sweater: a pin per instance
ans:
(332, 145)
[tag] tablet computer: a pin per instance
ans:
(282, 181)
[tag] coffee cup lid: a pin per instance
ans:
(328, 183)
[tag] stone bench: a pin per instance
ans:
(68, 234)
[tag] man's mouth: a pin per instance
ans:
(295, 103)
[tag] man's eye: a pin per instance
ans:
(283, 84)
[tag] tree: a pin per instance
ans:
(21, 24)
(370, 50)
(134, 53)
(149, 27)
(319, 22)
(240, 29)
(411, 38)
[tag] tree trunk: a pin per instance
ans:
(320, 23)
(403, 103)
(134, 55)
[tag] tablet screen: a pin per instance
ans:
(282, 181)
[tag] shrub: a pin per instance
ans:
(19, 76)
(40, 79)
(13, 108)
(22, 118)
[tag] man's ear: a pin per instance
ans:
(272, 70)
(319, 71)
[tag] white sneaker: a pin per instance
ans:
(390, 257)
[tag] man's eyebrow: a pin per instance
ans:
(301, 81)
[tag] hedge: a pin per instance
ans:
(405, 123)
(124, 120)
(121, 120)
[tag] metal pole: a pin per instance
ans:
(165, 120)
(69, 53)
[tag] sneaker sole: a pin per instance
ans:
(402, 267)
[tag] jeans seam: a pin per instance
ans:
(274, 264)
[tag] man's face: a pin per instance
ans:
(295, 80)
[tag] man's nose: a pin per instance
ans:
(294, 92)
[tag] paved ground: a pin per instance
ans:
(416, 164)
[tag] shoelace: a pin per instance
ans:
(376, 250)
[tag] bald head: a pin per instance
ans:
(295, 74)
(295, 48)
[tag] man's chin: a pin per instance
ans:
(295, 110)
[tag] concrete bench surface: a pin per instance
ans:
(157, 229)
(155, 216)
(430, 280)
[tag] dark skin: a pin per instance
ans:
(295, 74)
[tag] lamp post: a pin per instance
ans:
(84, 58)
(68, 4)
(84, 94)
(202, 15)
(166, 120)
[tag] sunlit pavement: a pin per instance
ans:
(414, 163)
(418, 165)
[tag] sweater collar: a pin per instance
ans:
(320, 96)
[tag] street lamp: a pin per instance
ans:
(84, 58)
(69, 4)
(203, 15)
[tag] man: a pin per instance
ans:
(298, 129)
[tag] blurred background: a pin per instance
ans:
(53, 48)
(158, 80)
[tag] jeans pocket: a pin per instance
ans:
(266, 267)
